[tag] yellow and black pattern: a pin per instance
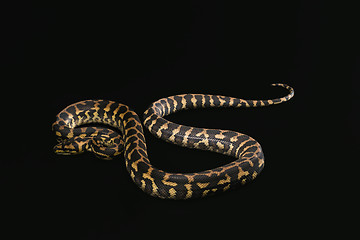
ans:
(75, 137)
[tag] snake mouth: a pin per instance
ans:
(65, 152)
(62, 149)
(61, 152)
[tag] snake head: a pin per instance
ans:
(105, 147)
(70, 146)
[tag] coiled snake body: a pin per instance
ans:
(75, 137)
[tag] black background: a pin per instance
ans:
(55, 54)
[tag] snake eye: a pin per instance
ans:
(60, 140)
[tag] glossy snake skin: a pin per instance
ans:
(128, 139)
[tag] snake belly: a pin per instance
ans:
(75, 137)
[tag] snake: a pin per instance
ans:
(108, 129)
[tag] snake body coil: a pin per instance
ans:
(75, 137)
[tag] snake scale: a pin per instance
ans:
(75, 136)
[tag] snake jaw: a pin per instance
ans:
(103, 146)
